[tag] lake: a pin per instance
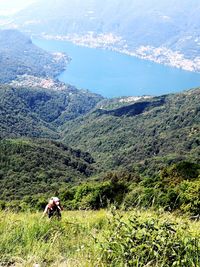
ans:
(112, 74)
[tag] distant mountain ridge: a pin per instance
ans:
(133, 109)
(145, 132)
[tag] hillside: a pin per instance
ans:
(163, 31)
(88, 238)
(141, 151)
(144, 151)
(30, 167)
(25, 58)
(146, 135)
(37, 112)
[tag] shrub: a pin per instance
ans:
(189, 197)
(149, 242)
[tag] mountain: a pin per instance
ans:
(34, 111)
(19, 56)
(127, 133)
(32, 102)
(144, 135)
(30, 167)
(163, 31)
(140, 151)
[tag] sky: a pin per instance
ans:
(9, 7)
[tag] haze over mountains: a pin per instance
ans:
(163, 31)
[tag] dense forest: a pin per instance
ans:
(33, 169)
(37, 112)
(144, 154)
(145, 135)
(30, 167)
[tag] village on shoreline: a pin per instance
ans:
(160, 55)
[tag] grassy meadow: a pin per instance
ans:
(99, 238)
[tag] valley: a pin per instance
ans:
(113, 146)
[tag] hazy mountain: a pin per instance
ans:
(18, 56)
(166, 24)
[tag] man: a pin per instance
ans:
(53, 208)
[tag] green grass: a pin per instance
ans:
(87, 238)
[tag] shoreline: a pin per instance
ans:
(159, 55)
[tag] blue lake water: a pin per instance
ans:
(112, 74)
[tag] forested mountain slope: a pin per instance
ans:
(37, 112)
(31, 167)
(146, 134)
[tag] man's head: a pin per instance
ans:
(56, 201)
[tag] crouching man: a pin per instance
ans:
(53, 208)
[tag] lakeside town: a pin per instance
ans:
(161, 55)
(30, 81)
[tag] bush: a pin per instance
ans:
(149, 242)
(179, 172)
(189, 197)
